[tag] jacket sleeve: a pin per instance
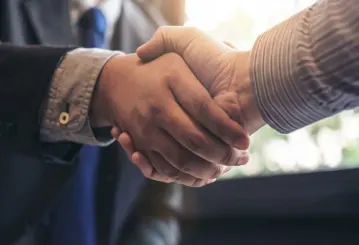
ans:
(66, 108)
(40, 85)
(307, 68)
(25, 77)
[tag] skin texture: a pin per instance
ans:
(170, 116)
(222, 70)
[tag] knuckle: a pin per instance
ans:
(150, 117)
(142, 112)
(171, 74)
(154, 112)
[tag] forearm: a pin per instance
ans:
(307, 68)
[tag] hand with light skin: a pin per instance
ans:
(222, 70)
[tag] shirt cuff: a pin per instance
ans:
(66, 109)
(282, 96)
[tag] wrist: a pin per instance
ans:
(97, 115)
(100, 113)
(249, 113)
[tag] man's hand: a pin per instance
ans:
(224, 72)
(170, 116)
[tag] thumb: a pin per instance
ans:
(202, 54)
(167, 39)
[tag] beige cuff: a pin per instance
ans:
(66, 109)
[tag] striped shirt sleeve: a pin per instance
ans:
(307, 68)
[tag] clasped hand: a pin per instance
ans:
(179, 106)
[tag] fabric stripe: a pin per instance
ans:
(307, 68)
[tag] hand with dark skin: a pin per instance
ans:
(170, 117)
(222, 70)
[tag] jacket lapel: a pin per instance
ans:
(51, 21)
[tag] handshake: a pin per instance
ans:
(183, 107)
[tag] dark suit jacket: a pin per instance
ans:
(32, 173)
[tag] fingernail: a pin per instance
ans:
(211, 181)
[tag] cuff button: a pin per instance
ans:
(64, 118)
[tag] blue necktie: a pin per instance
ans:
(73, 218)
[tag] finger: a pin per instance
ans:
(147, 169)
(198, 103)
(192, 136)
(244, 158)
(179, 159)
(115, 132)
(180, 177)
(197, 140)
(126, 142)
(214, 173)
(150, 172)
(154, 48)
(199, 167)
